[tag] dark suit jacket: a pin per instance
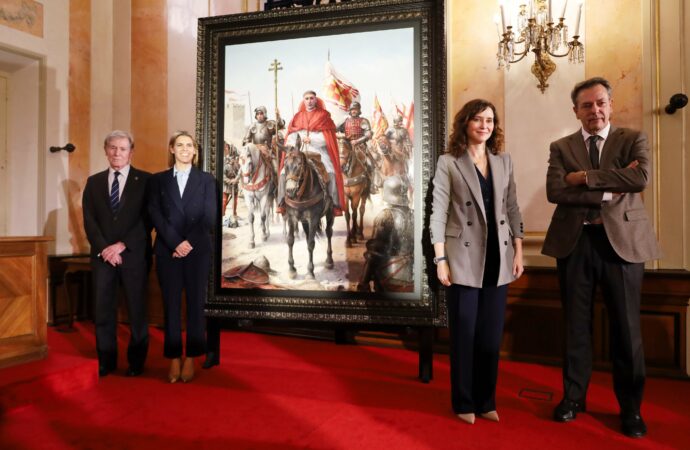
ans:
(627, 225)
(458, 217)
(130, 225)
(176, 218)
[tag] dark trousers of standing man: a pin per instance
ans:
(191, 274)
(594, 262)
(475, 323)
(133, 279)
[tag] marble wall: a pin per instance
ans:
(132, 64)
(533, 119)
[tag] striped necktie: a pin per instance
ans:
(115, 192)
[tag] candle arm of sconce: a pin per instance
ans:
(521, 57)
(556, 55)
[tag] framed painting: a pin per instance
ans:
(322, 125)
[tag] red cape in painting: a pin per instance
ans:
(320, 120)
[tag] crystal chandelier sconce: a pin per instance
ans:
(536, 32)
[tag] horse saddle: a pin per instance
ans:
(314, 160)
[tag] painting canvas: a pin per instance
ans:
(290, 233)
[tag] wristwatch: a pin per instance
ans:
(438, 259)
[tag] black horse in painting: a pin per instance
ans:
(306, 202)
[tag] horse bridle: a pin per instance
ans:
(252, 185)
(303, 178)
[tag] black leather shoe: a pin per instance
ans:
(567, 410)
(632, 425)
(134, 371)
(212, 359)
(103, 371)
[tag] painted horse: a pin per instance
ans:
(306, 202)
(357, 185)
(259, 187)
(392, 161)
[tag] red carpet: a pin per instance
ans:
(279, 392)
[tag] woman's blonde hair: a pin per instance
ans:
(171, 144)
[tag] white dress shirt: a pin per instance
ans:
(603, 135)
(122, 179)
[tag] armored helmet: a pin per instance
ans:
(395, 191)
(355, 105)
(260, 108)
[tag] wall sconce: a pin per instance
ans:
(537, 32)
(69, 148)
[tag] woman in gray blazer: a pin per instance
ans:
(476, 229)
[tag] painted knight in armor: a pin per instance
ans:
(357, 131)
(262, 131)
(231, 176)
(390, 251)
(400, 138)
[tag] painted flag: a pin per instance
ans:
(234, 96)
(400, 110)
(338, 94)
(379, 122)
(408, 117)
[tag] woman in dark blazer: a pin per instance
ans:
(476, 229)
(182, 206)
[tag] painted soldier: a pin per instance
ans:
(262, 132)
(231, 176)
(399, 138)
(357, 131)
(390, 251)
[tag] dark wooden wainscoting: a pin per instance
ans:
(534, 321)
(71, 293)
(533, 327)
(534, 324)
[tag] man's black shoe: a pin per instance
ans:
(212, 359)
(632, 425)
(134, 371)
(103, 371)
(567, 410)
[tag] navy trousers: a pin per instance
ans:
(191, 275)
(475, 322)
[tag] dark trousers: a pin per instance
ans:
(594, 262)
(133, 280)
(475, 322)
(191, 275)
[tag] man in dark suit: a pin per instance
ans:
(116, 224)
(601, 235)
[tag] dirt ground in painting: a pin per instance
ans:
(348, 261)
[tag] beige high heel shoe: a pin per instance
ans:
(467, 417)
(174, 373)
(491, 415)
(187, 370)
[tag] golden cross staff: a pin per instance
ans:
(275, 67)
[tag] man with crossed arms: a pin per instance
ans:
(600, 235)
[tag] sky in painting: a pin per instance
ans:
(377, 63)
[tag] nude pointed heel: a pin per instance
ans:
(468, 418)
(174, 373)
(187, 370)
(491, 415)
